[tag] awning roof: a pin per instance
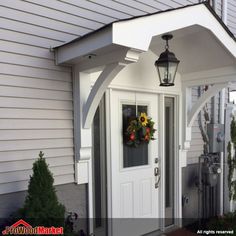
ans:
(198, 33)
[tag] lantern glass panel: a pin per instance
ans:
(166, 72)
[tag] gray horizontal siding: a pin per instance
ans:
(219, 8)
(16, 186)
(36, 107)
(231, 17)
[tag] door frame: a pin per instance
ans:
(177, 166)
(103, 169)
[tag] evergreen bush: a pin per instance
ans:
(41, 207)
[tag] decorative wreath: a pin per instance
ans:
(140, 130)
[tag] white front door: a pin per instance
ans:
(134, 190)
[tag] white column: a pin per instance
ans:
(82, 137)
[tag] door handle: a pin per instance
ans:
(156, 171)
(157, 175)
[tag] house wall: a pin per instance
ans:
(36, 108)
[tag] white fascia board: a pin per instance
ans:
(84, 46)
(137, 33)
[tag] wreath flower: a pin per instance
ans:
(140, 130)
(143, 119)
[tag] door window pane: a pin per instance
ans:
(133, 156)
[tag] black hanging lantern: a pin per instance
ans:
(167, 64)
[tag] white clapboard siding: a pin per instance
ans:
(12, 124)
(27, 164)
(35, 51)
(17, 59)
(107, 14)
(91, 13)
(34, 93)
(59, 14)
(8, 177)
(21, 155)
(26, 71)
(231, 17)
(158, 5)
(87, 12)
(219, 8)
(9, 102)
(36, 107)
(138, 10)
(14, 145)
(29, 39)
(20, 113)
(35, 134)
(138, 5)
(21, 185)
(36, 83)
(38, 30)
(132, 11)
(45, 20)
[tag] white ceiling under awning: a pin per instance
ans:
(196, 48)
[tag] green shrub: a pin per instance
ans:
(41, 207)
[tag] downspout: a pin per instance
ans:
(224, 5)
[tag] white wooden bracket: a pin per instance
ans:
(206, 96)
(190, 112)
(86, 101)
(100, 86)
(108, 74)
